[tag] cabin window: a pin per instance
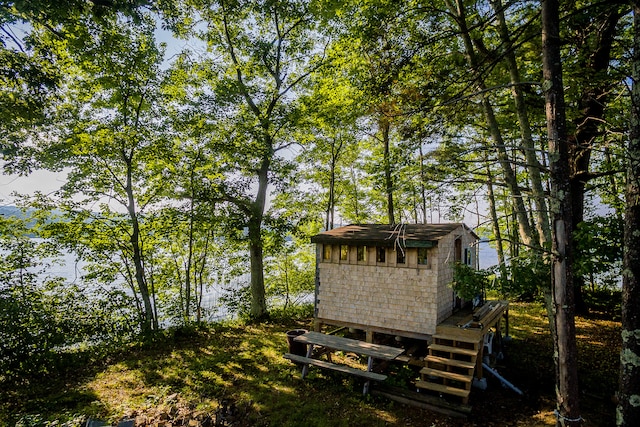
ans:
(401, 256)
(362, 253)
(326, 252)
(423, 256)
(344, 252)
(380, 255)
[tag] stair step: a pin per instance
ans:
(451, 362)
(448, 375)
(456, 350)
(459, 338)
(440, 388)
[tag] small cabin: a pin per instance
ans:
(392, 279)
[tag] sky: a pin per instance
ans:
(43, 181)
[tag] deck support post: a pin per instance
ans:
(479, 359)
(506, 322)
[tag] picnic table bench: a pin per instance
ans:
(336, 343)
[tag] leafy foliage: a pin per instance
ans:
(275, 118)
(469, 283)
(527, 278)
(599, 250)
(42, 316)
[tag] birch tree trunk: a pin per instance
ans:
(564, 339)
(628, 411)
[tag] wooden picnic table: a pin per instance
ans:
(337, 343)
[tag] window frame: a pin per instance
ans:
(344, 252)
(326, 253)
(361, 253)
(425, 258)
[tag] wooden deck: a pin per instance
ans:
(474, 325)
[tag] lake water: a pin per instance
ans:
(487, 255)
(70, 269)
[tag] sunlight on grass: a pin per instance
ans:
(525, 320)
(243, 365)
(546, 418)
(119, 388)
(215, 379)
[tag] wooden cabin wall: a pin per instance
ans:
(382, 295)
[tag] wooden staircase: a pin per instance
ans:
(450, 364)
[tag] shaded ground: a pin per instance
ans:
(236, 375)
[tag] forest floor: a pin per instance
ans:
(235, 374)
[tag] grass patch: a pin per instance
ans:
(236, 371)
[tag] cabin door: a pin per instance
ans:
(458, 250)
(457, 301)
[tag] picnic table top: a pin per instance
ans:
(334, 342)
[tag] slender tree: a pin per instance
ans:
(110, 134)
(564, 339)
(533, 166)
(458, 11)
(262, 53)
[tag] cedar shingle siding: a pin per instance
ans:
(407, 297)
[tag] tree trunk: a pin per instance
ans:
(148, 321)
(258, 302)
(565, 350)
(628, 411)
(592, 107)
(496, 230)
(336, 148)
(189, 263)
(331, 202)
(356, 195)
(258, 308)
(202, 265)
(423, 189)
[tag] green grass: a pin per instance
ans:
(192, 374)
